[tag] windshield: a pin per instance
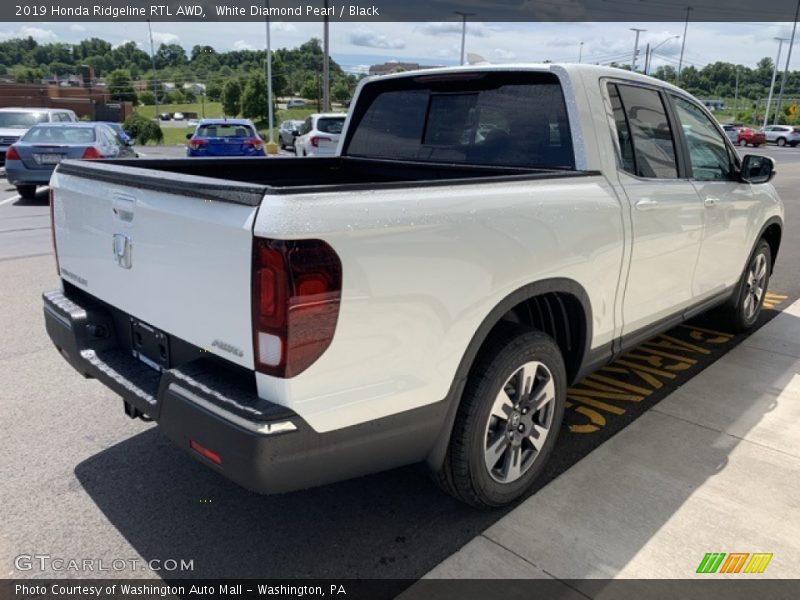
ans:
(330, 124)
(501, 119)
(59, 135)
(21, 120)
(212, 131)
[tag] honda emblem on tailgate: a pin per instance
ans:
(122, 246)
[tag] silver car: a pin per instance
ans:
(14, 122)
(783, 135)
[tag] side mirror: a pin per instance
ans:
(189, 136)
(757, 169)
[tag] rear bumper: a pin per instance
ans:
(19, 174)
(262, 446)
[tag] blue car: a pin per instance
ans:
(225, 137)
(31, 161)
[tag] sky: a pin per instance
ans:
(357, 45)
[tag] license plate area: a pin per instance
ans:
(150, 345)
(48, 159)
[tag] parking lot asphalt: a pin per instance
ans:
(83, 481)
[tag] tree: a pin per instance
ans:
(254, 98)
(142, 129)
(147, 97)
(214, 90)
(170, 55)
(232, 98)
(341, 92)
(120, 85)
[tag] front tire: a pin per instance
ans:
(27, 192)
(508, 420)
(743, 143)
(743, 310)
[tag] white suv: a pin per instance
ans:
(319, 134)
(783, 135)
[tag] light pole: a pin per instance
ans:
(736, 95)
(272, 148)
(326, 75)
(153, 62)
(653, 50)
(635, 47)
(464, 16)
(786, 69)
(580, 53)
(774, 74)
(683, 45)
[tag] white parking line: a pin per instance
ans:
(7, 200)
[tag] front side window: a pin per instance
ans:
(501, 119)
(649, 131)
(708, 152)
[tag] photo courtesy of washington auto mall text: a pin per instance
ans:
(425, 300)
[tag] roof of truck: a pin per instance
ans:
(570, 69)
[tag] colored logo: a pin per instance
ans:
(734, 562)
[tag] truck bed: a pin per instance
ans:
(247, 180)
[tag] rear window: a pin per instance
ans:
(21, 120)
(330, 124)
(224, 131)
(60, 135)
(501, 119)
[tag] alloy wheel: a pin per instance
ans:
(754, 287)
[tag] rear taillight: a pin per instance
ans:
(315, 140)
(297, 288)
(256, 143)
(795, 130)
(91, 153)
(197, 144)
(205, 452)
(52, 197)
(12, 154)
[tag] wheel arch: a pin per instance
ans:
(558, 306)
(772, 231)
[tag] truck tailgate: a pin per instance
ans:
(173, 259)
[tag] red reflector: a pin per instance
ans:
(205, 452)
(12, 154)
(90, 153)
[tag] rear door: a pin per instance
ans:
(666, 213)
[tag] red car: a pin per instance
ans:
(742, 135)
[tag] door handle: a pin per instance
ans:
(711, 202)
(646, 204)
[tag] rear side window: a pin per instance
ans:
(644, 132)
(501, 119)
(330, 124)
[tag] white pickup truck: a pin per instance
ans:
(483, 237)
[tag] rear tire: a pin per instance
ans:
(28, 192)
(508, 420)
(743, 142)
(781, 141)
(744, 308)
(793, 144)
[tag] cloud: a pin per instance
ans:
(160, 37)
(77, 27)
(370, 39)
(282, 26)
(242, 45)
(37, 33)
(473, 29)
(503, 54)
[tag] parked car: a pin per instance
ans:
(288, 131)
(319, 134)
(30, 162)
(14, 122)
(782, 135)
(123, 135)
(178, 116)
(742, 135)
(422, 295)
(296, 103)
(164, 116)
(225, 137)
